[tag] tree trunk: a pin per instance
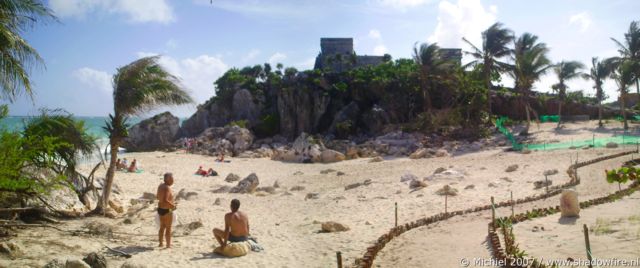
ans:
(600, 114)
(526, 108)
(106, 188)
(487, 77)
(623, 109)
(559, 114)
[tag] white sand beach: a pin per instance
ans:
(287, 223)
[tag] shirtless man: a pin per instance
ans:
(166, 206)
(236, 226)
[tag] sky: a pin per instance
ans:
(199, 40)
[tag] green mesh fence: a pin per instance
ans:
(594, 142)
(549, 118)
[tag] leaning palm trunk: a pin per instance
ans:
(108, 182)
(488, 82)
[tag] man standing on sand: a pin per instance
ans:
(236, 226)
(166, 206)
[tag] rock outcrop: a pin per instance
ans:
(230, 140)
(156, 133)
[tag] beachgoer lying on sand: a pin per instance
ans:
(166, 206)
(236, 226)
(133, 167)
(201, 172)
(211, 172)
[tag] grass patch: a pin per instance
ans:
(602, 227)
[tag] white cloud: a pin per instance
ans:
(196, 74)
(375, 34)
(583, 20)
(94, 79)
(402, 4)
(277, 58)
(136, 11)
(251, 55)
(379, 50)
(306, 65)
(466, 18)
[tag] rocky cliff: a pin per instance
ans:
(155, 133)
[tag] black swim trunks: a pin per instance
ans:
(163, 211)
(237, 238)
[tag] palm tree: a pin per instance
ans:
(137, 87)
(17, 57)
(623, 74)
(565, 70)
(428, 57)
(630, 50)
(530, 62)
(494, 46)
(598, 73)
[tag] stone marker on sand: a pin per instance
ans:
(330, 227)
(569, 205)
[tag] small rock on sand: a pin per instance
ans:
(222, 189)
(439, 170)
(376, 159)
(612, 145)
(511, 168)
(76, 263)
(492, 185)
(507, 179)
(148, 196)
(96, 260)
(330, 227)
(297, 188)
(352, 186)
(276, 184)
(217, 202)
(327, 171)
(541, 183)
(232, 177)
(550, 172)
(298, 173)
(417, 184)
(312, 196)
(246, 185)
(442, 153)
(340, 173)
(408, 177)
(55, 263)
(469, 187)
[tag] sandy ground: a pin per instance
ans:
(614, 234)
(287, 225)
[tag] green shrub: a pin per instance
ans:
(238, 123)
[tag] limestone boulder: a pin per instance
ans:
(156, 133)
(331, 227)
(420, 153)
(96, 260)
(246, 185)
(232, 177)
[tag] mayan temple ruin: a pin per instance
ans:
(337, 55)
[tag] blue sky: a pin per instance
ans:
(200, 39)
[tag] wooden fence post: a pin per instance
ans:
(396, 214)
(512, 204)
(339, 258)
(493, 212)
(587, 244)
(445, 203)
(546, 182)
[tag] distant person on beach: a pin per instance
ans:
(124, 163)
(166, 206)
(201, 171)
(133, 167)
(236, 226)
(220, 157)
(119, 165)
(211, 172)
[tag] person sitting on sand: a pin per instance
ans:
(220, 157)
(166, 206)
(119, 165)
(201, 172)
(133, 167)
(211, 172)
(236, 226)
